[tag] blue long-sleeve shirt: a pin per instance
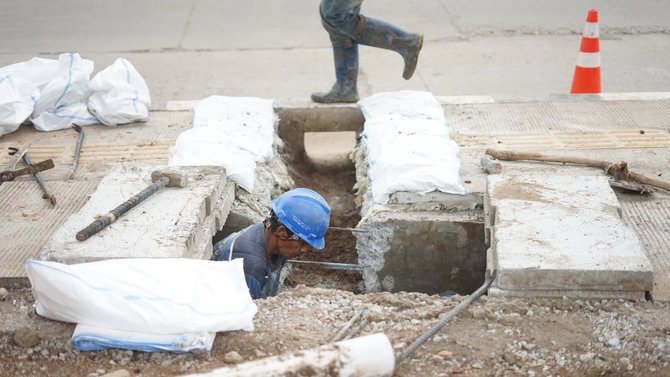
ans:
(261, 275)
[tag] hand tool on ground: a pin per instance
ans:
(9, 175)
(619, 171)
(490, 165)
(330, 265)
(160, 178)
(77, 150)
(17, 155)
(47, 194)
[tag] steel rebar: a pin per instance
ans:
(451, 315)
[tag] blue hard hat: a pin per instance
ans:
(305, 213)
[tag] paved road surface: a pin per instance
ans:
(192, 49)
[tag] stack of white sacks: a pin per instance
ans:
(408, 145)
(144, 304)
(233, 132)
(54, 94)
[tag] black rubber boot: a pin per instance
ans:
(346, 73)
(381, 34)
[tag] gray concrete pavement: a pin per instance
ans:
(277, 49)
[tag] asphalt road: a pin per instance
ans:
(188, 50)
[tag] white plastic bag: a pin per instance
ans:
(145, 295)
(94, 338)
(37, 71)
(20, 86)
(16, 103)
(119, 95)
(62, 102)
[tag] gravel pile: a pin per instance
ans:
(495, 336)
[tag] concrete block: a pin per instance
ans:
(579, 192)
(172, 223)
(552, 233)
(430, 252)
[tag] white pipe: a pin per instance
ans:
(367, 356)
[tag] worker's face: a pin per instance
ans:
(290, 246)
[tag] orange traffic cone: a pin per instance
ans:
(587, 71)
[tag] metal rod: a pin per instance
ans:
(30, 169)
(451, 315)
(353, 230)
(330, 265)
(346, 327)
(17, 155)
(40, 181)
(77, 150)
(126, 206)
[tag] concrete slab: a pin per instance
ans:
(553, 233)
(172, 223)
(422, 251)
(28, 221)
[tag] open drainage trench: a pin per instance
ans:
(429, 253)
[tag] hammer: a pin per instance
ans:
(160, 178)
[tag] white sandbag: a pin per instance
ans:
(248, 122)
(64, 117)
(119, 95)
(62, 102)
(95, 338)
(234, 132)
(37, 71)
(208, 146)
(20, 86)
(408, 145)
(404, 104)
(379, 133)
(430, 164)
(149, 295)
(16, 103)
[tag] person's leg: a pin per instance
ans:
(381, 34)
(340, 19)
(346, 74)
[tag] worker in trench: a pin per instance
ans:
(347, 29)
(296, 224)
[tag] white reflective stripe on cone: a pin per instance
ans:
(588, 60)
(591, 30)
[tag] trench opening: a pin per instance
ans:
(326, 168)
(443, 256)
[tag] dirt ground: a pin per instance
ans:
(493, 337)
(335, 186)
